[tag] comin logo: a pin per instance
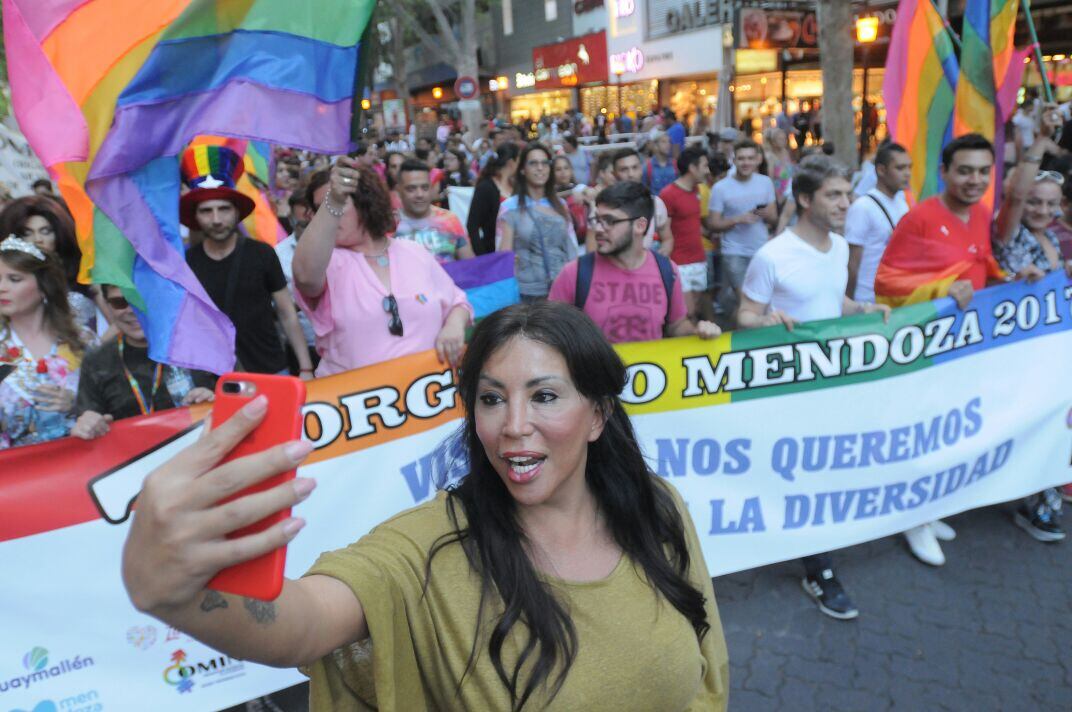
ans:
(181, 673)
(88, 701)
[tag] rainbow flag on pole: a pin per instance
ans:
(919, 91)
(108, 92)
(990, 72)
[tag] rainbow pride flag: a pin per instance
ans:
(919, 91)
(108, 92)
(262, 224)
(990, 72)
(488, 281)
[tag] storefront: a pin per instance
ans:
(1058, 72)
(663, 53)
(757, 98)
(536, 105)
(612, 99)
(558, 71)
(765, 81)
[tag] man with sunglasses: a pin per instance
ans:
(119, 380)
(631, 292)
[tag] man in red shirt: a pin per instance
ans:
(683, 206)
(942, 246)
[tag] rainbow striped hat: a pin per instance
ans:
(211, 173)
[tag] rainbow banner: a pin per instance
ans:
(919, 91)
(782, 444)
(108, 92)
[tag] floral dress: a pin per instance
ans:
(1023, 249)
(21, 423)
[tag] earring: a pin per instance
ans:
(44, 301)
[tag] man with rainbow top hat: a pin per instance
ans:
(241, 275)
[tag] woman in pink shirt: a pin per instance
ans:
(371, 298)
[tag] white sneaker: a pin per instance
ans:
(943, 531)
(924, 545)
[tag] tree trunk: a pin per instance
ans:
(836, 58)
(471, 110)
(399, 70)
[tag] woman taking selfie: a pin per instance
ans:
(558, 575)
(41, 348)
(371, 298)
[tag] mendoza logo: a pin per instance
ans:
(182, 673)
(88, 701)
(37, 669)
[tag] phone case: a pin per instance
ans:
(260, 578)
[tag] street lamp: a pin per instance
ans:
(866, 33)
(437, 93)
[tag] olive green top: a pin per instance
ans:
(635, 650)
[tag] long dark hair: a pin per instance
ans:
(521, 185)
(463, 168)
(639, 510)
(18, 212)
(53, 286)
(498, 160)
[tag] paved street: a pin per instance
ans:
(991, 630)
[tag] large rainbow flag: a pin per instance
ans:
(991, 69)
(919, 91)
(108, 92)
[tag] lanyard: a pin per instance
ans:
(135, 388)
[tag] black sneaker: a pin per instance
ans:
(1040, 522)
(830, 596)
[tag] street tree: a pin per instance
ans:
(836, 59)
(451, 38)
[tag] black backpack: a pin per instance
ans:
(586, 267)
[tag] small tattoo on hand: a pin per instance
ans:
(213, 600)
(262, 611)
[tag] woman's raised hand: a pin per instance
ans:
(177, 541)
(344, 178)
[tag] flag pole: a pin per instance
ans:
(1038, 51)
(948, 28)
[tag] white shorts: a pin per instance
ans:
(693, 277)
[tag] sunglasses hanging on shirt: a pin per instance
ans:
(390, 305)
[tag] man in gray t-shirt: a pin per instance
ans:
(742, 207)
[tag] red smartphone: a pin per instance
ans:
(260, 578)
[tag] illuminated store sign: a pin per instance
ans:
(630, 61)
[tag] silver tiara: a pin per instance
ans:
(17, 244)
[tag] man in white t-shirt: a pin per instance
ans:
(627, 167)
(743, 207)
(872, 217)
(798, 276)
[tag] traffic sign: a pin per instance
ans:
(466, 88)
